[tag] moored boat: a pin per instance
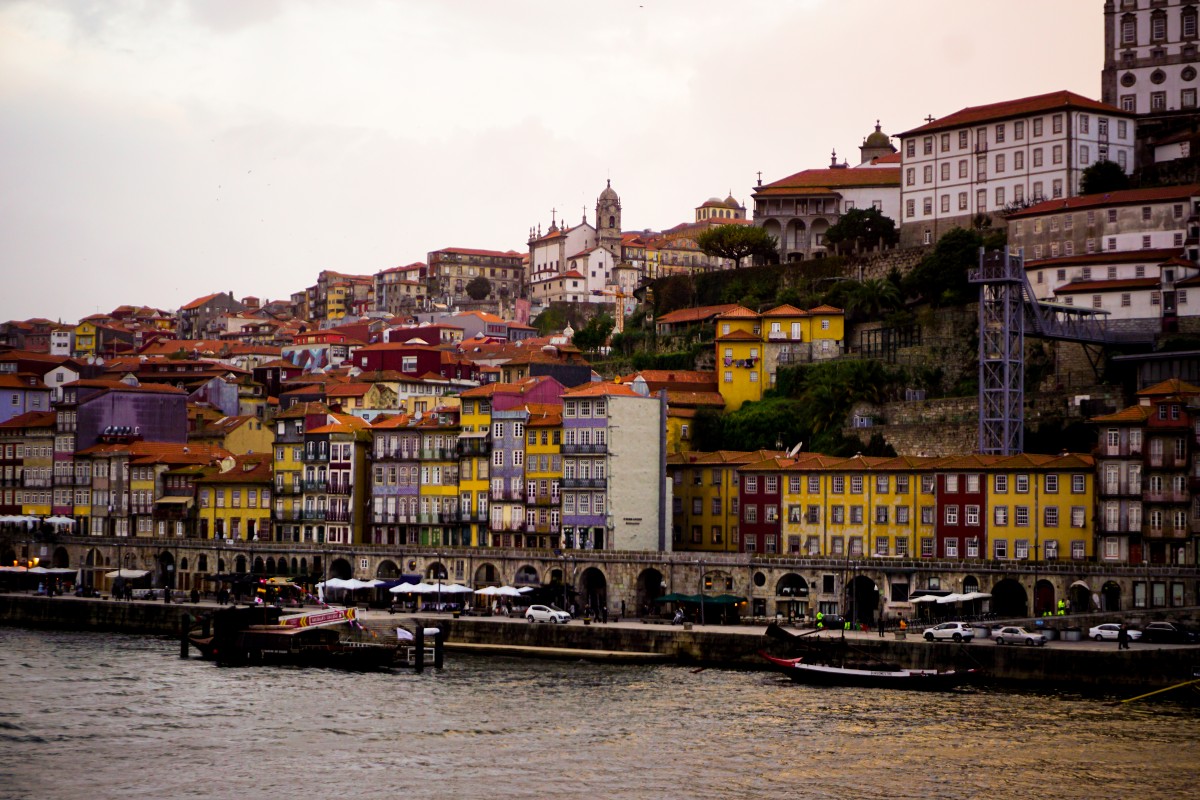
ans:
(867, 676)
(261, 635)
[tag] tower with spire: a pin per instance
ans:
(608, 220)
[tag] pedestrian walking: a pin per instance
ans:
(1123, 638)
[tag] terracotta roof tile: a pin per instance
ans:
(1053, 101)
(1157, 194)
(1156, 256)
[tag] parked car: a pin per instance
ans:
(1108, 632)
(1011, 634)
(1168, 633)
(955, 631)
(547, 614)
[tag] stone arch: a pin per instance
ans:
(817, 232)
(862, 600)
(281, 566)
(650, 585)
(60, 558)
(387, 570)
(270, 565)
(259, 566)
(773, 228)
(593, 588)
(166, 569)
(1079, 594)
(239, 563)
(202, 562)
(341, 568)
(303, 567)
(486, 574)
(527, 575)
(1043, 597)
(437, 571)
(791, 596)
(1110, 596)
(1009, 599)
(795, 238)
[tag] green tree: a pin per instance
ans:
(873, 298)
(860, 229)
(941, 277)
(735, 242)
(591, 337)
(479, 288)
(550, 321)
(1103, 176)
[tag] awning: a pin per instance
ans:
(127, 573)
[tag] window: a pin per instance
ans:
(962, 168)
(1021, 516)
(962, 140)
(927, 174)
(1052, 484)
(962, 201)
(927, 146)
(945, 170)
(910, 176)
(1037, 156)
(910, 208)
(952, 548)
(951, 516)
(945, 203)
(1000, 516)
(1050, 516)
(945, 143)
(1000, 162)
(1056, 123)
(1158, 101)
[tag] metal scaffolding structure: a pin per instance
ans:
(1007, 309)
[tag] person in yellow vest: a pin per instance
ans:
(820, 620)
(1062, 607)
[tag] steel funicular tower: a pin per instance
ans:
(1007, 309)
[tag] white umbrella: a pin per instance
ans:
(925, 598)
(456, 588)
(951, 598)
(487, 591)
(508, 591)
(525, 589)
(976, 596)
(127, 573)
(60, 520)
(414, 588)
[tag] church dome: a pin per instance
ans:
(732, 203)
(878, 138)
(608, 193)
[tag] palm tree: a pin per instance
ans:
(873, 298)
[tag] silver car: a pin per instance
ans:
(1109, 630)
(954, 631)
(547, 614)
(1011, 634)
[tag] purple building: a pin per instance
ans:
(150, 412)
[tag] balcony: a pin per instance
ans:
(439, 453)
(313, 514)
(544, 500)
(283, 489)
(314, 486)
(29, 481)
(1165, 496)
(314, 457)
(571, 449)
(508, 494)
(517, 526)
(475, 516)
(340, 488)
(64, 480)
(339, 516)
(286, 515)
(584, 483)
(474, 447)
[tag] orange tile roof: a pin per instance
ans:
(1156, 256)
(199, 301)
(830, 180)
(744, 336)
(785, 311)
(694, 314)
(1053, 101)
(825, 310)
(1169, 386)
(680, 398)
(600, 389)
(32, 419)
(1157, 194)
(739, 312)
(1133, 414)
(1124, 284)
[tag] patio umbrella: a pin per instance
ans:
(456, 588)
(925, 598)
(486, 591)
(951, 598)
(508, 591)
(976, 596)
(60, 520)
(413, 588)
(127, 573)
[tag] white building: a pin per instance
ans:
(997, 157)
(799, 209)
(1150, 55)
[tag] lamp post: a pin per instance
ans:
(701, 580)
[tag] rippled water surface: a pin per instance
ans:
(97, 716)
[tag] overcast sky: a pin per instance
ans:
(153, 152)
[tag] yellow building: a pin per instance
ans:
(290, 428)
(29, 443)
(475, 449)
(86, 340)
(543, 476)
(1040, 508)
(751, 347)
(704, 498)
(239, 435)
(336, 480)
(235, 499)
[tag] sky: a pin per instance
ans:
(154, 152)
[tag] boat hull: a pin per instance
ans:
(912, 679)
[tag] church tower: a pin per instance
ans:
(608, 221)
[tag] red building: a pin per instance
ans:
(415, 360)
(760, 496)
(962, 510)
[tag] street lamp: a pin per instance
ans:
(701, 580)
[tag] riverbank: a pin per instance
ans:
(1081, 665)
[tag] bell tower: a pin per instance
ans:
(608, 221)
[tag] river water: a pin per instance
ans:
(97, 716)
